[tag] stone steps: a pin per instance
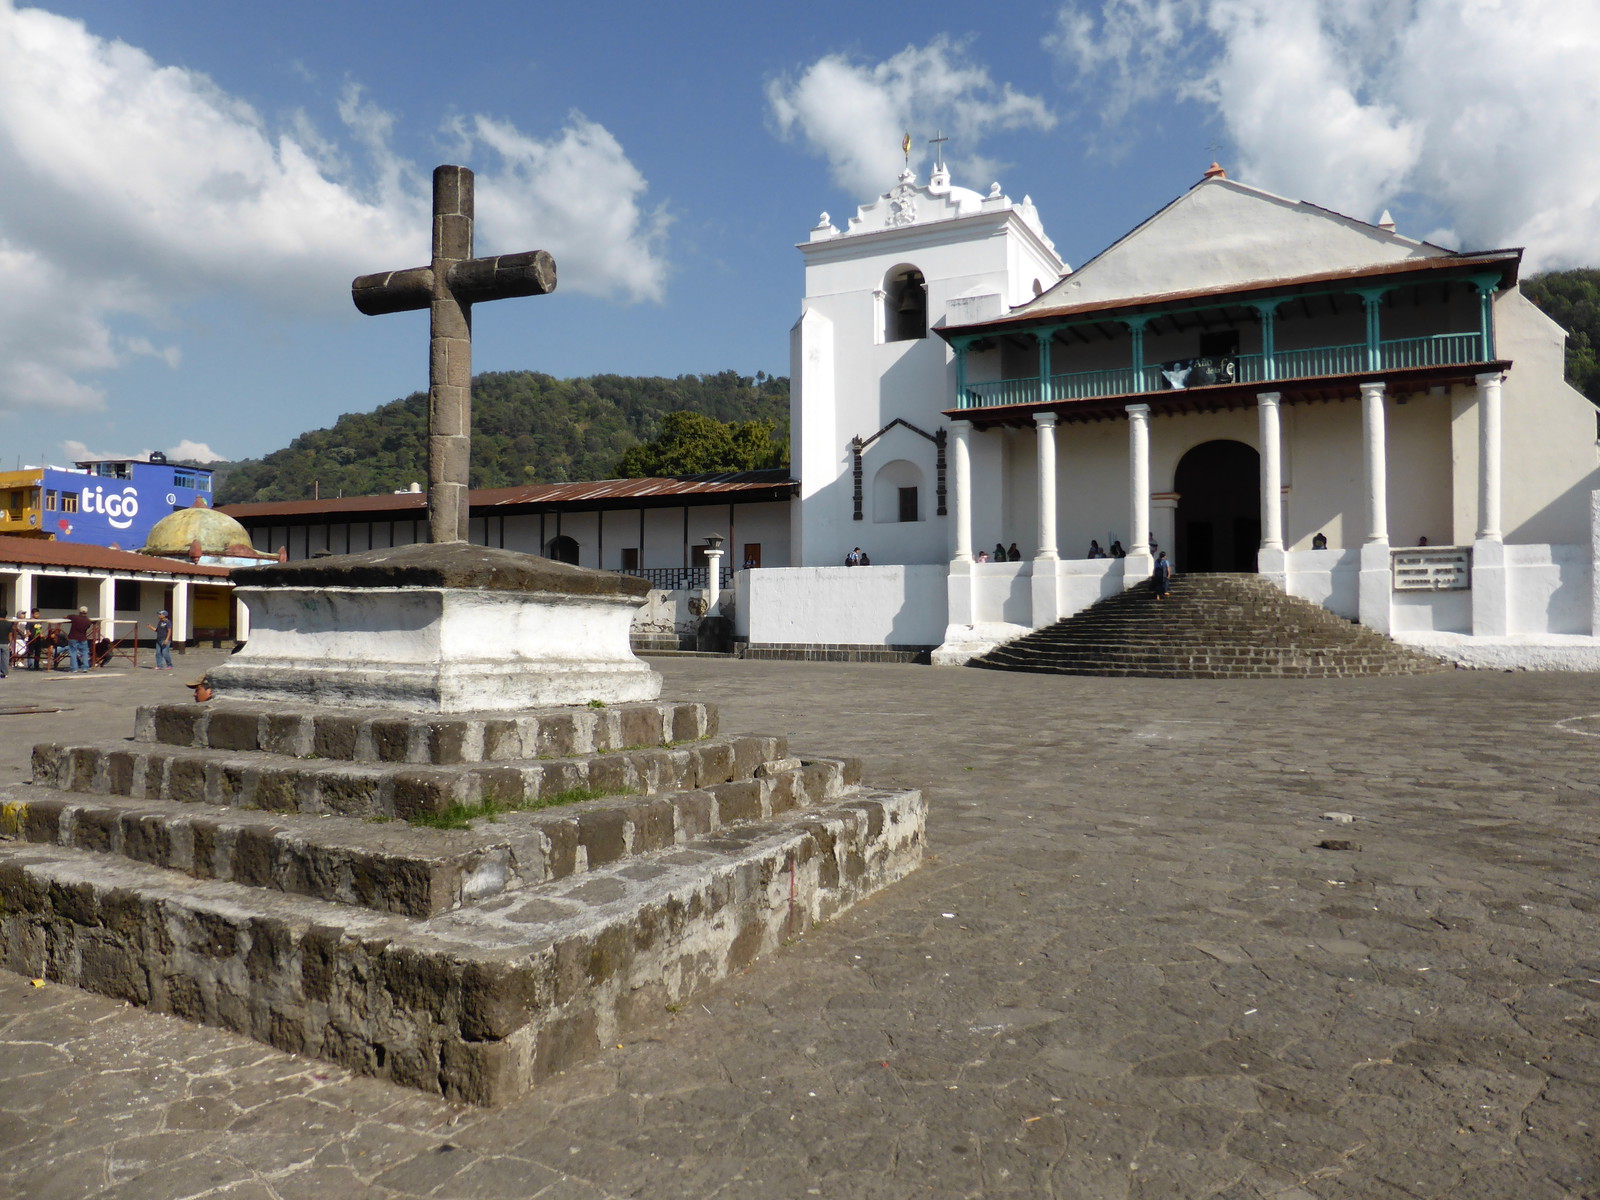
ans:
(378, 736)
(1210, 627)
(236, 864)
(279, 783)
(399, 868)
(476, 1003)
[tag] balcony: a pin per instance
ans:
(1437, 350)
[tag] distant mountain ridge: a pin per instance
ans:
(527, 427)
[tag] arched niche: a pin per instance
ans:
(562, 549)
(898, 492)
(905, 304)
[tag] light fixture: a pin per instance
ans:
(714, 540)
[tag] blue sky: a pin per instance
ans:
(186, 188)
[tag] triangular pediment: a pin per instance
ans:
(1220, 234)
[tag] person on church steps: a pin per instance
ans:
(1116, 549)
(853, 559)
(865, 560)
(1161, 577)
(1095, 549)
(999, 552)
(1013, 554)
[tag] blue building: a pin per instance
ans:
(98, 502)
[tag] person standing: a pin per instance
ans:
(78, 640)
(1161, 577)
(35, 640)
(163, 631)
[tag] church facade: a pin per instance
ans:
(1247, 382)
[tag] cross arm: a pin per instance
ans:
(531, 273)
(393, 291)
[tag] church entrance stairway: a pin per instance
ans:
(1209, 627)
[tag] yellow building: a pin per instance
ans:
(19, 503)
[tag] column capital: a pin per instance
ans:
(1268, 399)
(1374, 387)
(1265, 308)
(1490, 379)
(959, 427)
(1045, 420)
(1137, 412)
(1044, 335)
(1138, 320)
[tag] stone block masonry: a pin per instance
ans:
(238, 864)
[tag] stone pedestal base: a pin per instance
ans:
(437, 629)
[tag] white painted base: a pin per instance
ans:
(1517, 652)
(435, 649)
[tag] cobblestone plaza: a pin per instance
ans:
(1127, 968)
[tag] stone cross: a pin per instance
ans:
(449, 287)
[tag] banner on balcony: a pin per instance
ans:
(1199, 372)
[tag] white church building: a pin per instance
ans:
(1252, 383)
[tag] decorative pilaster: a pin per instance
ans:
(1271, 470)
(1046, 432)
(1489, 456)
(961, 509)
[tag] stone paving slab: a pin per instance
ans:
(1151, 983)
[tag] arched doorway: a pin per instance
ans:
(1219, 508)
(563, 549)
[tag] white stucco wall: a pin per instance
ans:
(858, 606)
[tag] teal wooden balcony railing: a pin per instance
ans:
(1438, 350)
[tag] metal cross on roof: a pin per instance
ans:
(448, 287)
(937, 142)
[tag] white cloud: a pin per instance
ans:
(854, 114)
(129, 188)
(194, 452)
(1477, 115)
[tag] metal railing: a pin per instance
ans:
(680, 579)
(1436, 350)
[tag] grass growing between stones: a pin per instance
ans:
(461, 816)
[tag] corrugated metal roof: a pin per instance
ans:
(730, 484)
(1505, 260)
(37, 552)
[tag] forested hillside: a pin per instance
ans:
(1572, 300)
(526, 428)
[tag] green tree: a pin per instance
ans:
(1572, 300)
(692, 443)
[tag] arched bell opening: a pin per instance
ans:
(1219, 508)
(905, 305)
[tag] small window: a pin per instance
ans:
(563, 549)
(630, 558)
(50, 500)
(69, 501)
(52, 591)
(183, 479)
(908, 504)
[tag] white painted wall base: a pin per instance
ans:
(435, 649)
(1516, 652)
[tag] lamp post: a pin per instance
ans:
(713, 572)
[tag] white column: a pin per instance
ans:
(1375, 595)
(1489, 457)
(181, 632)
(108, 607)
(241, 620)
(24, 598)
(1136, 566)
(1046, 426)
(713, 580)
(1271, 471)
(961, 500)
(1377, 478)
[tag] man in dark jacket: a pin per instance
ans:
(78, 640)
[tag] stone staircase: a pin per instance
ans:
(292, 874)
(1209, 627)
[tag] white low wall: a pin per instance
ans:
(848, 606)
(1549, 589)
(1331, 578)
